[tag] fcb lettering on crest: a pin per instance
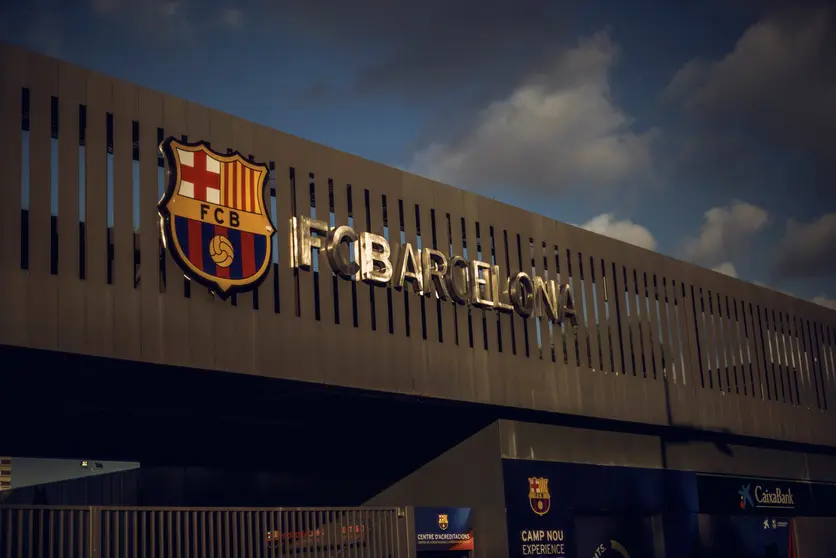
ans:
(538, 495)
(214, 220)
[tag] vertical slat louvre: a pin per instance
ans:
(199, 124)
(151, 320)
(323, 173)
(635, 333)
(41, 288)
(654, 325)
(756, 333)
(658, 302)
(443, 245)
(13, 79)
(175, 310)
(242, 142)
(267, 322)
(373, 201)
(597, 264)
(589, 316)
(735, 344)
(644, 319)
(71, 95)
(284, 212)
(220, 316)
(344, 288)
(306, 305)
(126, 303)
(676, 364)
(412, 300)
(99, 297)
(15, 64)
(804, 391)
(44, 86)
(504, 344)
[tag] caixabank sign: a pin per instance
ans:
(720, 494)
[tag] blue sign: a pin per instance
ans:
(757, 537)
(614, 536)
(443, 529)
(568, 509)
(538, 524)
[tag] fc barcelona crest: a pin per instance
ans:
(538, 495)
(443, 522)
(214, 220)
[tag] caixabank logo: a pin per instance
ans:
(213, 217)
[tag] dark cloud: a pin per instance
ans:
(773, 95)
(779, 82)
(170, 21)
(432, 47)
(808, 249)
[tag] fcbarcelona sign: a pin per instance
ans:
(214, 220)
(369, 257)
(216, 227)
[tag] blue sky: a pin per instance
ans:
(699, 129)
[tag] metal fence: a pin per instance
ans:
(111, 532)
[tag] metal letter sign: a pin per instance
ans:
(369, 257)
(213, 217)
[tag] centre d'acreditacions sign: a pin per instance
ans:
(218, 230)
(367, 257)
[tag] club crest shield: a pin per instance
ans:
(443, 521)
(213, 217)
(538, 495)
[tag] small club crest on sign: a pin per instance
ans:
(443, 522)
(214, 220)
(538, 495)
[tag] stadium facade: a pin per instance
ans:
(188, 289)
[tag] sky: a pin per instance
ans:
(703, 130)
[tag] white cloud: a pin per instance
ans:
(824, 301)
(556, 131)
(809, 249)
(624, 230)
(725, 232)
(726, 268)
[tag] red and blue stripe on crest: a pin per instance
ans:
(194, 237)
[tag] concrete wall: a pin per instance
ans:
(816, 537)
(541, 442)
(468, 475)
